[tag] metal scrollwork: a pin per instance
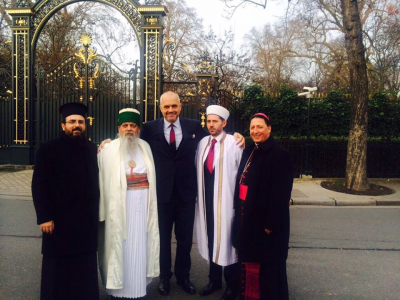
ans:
(204, 87)
(206, 65)
(46, 7)
(187, 91)
(183, 75)
(151, 75)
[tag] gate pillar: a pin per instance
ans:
(207, 81)
(21, 83)
(151, 60)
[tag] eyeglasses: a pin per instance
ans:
(72, 122)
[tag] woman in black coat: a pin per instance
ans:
(261, 230)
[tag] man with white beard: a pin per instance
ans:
(129, 243)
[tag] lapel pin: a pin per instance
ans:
(193, 136)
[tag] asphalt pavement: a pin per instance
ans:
(336, 252)
(305, 191)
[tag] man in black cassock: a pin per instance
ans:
(65, 192)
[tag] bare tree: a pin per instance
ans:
(5, 48)
(343, 16)
(272, 51)
(232, 67)
(5, 21)
(183, 38)
(233, 5)
(110, 34)
(382, 31)
(356, 163)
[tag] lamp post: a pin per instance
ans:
(309, 95)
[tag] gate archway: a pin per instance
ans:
(27, 23)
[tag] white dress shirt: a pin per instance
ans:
(177, 129)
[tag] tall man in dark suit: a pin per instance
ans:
(173, 141)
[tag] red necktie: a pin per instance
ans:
(172, 137)
(210, 157)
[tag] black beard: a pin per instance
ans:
(78, 137)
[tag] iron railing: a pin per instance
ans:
(328, 159)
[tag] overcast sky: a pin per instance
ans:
(213, 13)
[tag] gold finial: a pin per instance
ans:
(90, 120)
(86, 40)
(203, 118)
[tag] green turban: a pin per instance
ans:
(129, 115)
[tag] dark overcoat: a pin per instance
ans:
(65, 189)
(270, 181)
(173, 166)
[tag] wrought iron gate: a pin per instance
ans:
(28, 20)
(6, 115)
(196, 90)
(88, 78)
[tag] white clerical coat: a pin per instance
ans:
(112, 232)
(227, 157)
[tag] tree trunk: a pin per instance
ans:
(356, 164)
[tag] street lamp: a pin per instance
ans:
(309, 95)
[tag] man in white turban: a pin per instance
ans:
(217, 162)
(129, 243)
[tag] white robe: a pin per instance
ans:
(224, 254)
(113, 231)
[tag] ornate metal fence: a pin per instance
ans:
(28, 20)
(6, 113)
(328, 159)
(196, 90)
(90, 79)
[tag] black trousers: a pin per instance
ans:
(231, 272)
(70, 278)
(180, 213)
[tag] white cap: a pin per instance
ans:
(218, 110)
(129, 110)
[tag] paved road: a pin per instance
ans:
(336, 253)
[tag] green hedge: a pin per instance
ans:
(329, 117)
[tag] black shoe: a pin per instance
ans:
(187, 286)
(229, 294)
(211, 288)
(163, 287)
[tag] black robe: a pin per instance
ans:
(65, 189)
(270, 181)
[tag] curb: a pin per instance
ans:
(16, 196)
(313, 201)
(15, 168)
(371, 180)
(342, 202)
